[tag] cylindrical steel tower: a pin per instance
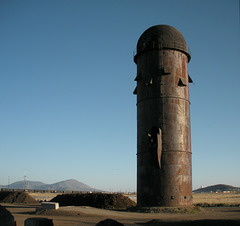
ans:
(164, 167)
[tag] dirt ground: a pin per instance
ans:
(70, 216)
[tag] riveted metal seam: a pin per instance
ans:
(162, 97)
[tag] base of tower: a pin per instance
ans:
(159, 209)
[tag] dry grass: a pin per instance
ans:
(44, 196)
(217, 198)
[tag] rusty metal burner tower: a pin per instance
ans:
(164, 167)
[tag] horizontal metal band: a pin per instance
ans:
(177, 151)
(143, 152)
(164, 97)
(187, 53)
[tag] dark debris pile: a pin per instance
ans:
(98, 200)
(16, 197)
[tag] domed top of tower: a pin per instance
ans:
(162, 37)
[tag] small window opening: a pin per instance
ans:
(150, 82)
(181, 82)
(155, 146)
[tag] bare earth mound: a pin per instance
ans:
(98, 200)
(16, 197)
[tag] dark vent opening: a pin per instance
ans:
(181, 82)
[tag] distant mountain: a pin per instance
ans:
(217, 187)
(71, 185)
(67, 185)
(22, 185)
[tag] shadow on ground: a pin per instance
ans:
(194, 223)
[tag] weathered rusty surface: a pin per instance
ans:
(164, 168)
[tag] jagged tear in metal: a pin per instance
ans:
(164, 167)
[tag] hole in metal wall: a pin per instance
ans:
(150, 82)
(181, 82)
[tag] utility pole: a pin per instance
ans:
(25, 182)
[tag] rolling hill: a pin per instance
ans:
(216, 188)
(67, 185)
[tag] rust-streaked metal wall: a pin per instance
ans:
(164, 168)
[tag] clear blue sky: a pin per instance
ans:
(67, 77)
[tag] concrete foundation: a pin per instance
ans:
(49, 205)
